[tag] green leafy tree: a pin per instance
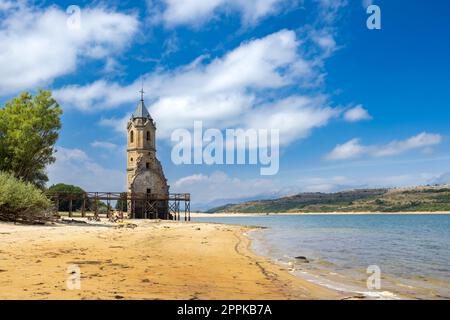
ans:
(69, 189)
(29, 128)
(20, 200)
(121, 204)
(103, 207)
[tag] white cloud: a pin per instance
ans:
(419, 141)
(197, 12)
(96, 96)
(348, 150)
(354, 149)
(443, 178)
(294, 117)
(357, 113)
(219, 186)
(104, 145)
(321, 184)
(7, 5)
(330, 9)
(224, 92)
(117, 124)
(38, 46)
(74, 166)
(266, 63)
(325, 41)
(343, 183)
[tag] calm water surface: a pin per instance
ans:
(412, 251)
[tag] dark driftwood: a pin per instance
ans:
(25, 217)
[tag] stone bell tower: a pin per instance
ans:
(145, 176)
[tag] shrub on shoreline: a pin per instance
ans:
(21, 201)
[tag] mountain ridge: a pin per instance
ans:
(406, 199)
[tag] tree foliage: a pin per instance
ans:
(122, 204)
(29, 129)
(20, 200)
(68, 188)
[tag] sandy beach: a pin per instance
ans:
(155, 260)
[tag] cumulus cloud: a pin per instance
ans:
(294, 117)
(357, 113)
(104, 145)
(348, 150)
(266, 63)
(224, 92)
(196, 12)
(38, 46)
(354, 149)
(79, 169)
(219, 188)
(96, 96)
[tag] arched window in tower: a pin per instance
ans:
(131, 136)
(148, 135)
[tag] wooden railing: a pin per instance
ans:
(143, 205)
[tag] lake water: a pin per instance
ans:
(411, 251)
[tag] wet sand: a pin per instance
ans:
(155, 260)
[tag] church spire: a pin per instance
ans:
(141, 110)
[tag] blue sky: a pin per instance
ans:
(355, 107)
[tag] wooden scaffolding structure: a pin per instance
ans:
(138, 205)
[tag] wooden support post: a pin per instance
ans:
(108, 211)
(57, 204)
(70, 207)
(83, 206)
(121, 207)
(95, 205)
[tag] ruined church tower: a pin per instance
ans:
(145, 175)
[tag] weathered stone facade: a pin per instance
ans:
(144, 171)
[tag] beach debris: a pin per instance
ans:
(73, 221)
(124, 224)
(355, 297)
(302, 259)
(27, 218)
(291, 266)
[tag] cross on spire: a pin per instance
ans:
(142, 91)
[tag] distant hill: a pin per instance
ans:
(429, 198)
